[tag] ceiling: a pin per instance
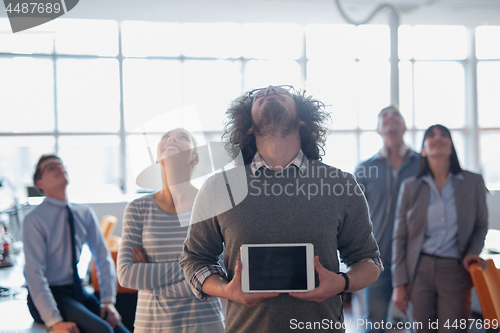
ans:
(462, 12)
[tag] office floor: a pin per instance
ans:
(15, 317)
(14, 314)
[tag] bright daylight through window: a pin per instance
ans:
(86, 97)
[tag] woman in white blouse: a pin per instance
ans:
(440, 226)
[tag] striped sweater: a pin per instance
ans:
(165, 301)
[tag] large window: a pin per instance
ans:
(488, 88)
(348, 69)
(432, 83)
(82, 88)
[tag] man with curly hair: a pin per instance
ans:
(293, 198)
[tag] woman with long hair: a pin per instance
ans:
(441, 223)
(155, 227)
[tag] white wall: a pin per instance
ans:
(460, 12)
(493, 201)
(115, 208)
(455, 12)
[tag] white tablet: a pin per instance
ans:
(279, 268)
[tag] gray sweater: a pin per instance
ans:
(324, 206)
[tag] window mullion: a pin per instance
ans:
(471, 106)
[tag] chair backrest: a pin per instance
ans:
(487, 285)
(108, 224)
(95, 283)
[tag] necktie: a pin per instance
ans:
(77, 284)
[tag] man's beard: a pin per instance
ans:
(275, 120)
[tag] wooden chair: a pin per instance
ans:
(108, 225)
(119, 288)
(487, 285)
(126, 299)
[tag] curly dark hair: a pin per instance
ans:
(239, 120)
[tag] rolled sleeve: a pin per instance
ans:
(374, 260)
(197, 280)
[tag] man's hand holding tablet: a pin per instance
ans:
(330, 285)
(216, 285)
(266, 270)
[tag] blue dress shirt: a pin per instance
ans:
(441, 233)
(47, 249)
(381, 185)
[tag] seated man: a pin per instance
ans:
(53, 236)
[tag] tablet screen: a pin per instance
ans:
(277, 268)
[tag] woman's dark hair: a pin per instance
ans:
(239, 120)
(423, 164)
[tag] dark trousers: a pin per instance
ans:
(126, 305)
(377, 302)
(441, 294)
(85, 314)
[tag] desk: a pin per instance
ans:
(491, 244)
(14, 313)
(491, 249)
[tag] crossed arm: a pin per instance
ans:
(134, 269)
